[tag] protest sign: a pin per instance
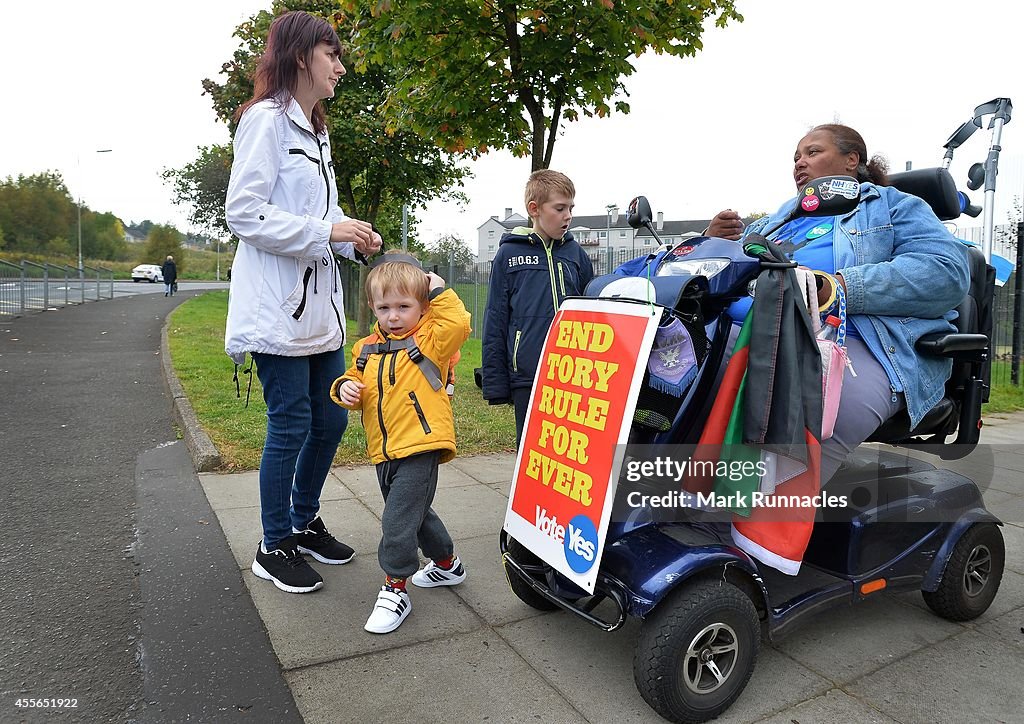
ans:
(579, 417)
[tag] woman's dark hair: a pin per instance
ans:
(848, 140)
(292, 36)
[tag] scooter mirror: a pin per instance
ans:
(975, 176)
(638, 215)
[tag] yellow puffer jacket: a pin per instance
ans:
(402, 414)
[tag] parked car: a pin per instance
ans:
(147, 273)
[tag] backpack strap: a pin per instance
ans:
(427, 367)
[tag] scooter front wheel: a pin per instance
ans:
(521, 588)
(696, 652)
(972, 574)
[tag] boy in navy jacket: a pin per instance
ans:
(534, 270)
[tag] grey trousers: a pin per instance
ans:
(521, 402)
(867, 401)
(408, 486)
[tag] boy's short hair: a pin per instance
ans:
(397, 276)
(545, 183)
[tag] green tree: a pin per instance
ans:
(1005, 235)
(142, 228)
(379, 165)
(449, 251)
(375, 162)
(37, 213)
(164, 240)
(201, 186)
(506, 73)
(107, 237)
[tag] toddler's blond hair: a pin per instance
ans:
(397, 276)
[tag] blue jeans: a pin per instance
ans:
(304, 427)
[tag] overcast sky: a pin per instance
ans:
(704, 133)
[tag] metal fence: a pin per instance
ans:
(28, 287)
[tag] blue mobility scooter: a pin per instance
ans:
(704, 603)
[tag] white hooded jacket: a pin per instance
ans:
(286, 297)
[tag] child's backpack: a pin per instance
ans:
(426, 365)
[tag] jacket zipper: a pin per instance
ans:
(323, 167)
(327, 188)
(305, 285)
(380, 411)
(327, 181)
(419, 412)
(330, 295)
(515, 351)
(561, 278)
(551, 274)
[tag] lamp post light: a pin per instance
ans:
(611, 216)
(81, 266)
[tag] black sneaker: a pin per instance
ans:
(319, 543)
(286, 568)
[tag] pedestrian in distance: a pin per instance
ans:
(169, 271)
(285, 307)
(397, 379)
(534, 270)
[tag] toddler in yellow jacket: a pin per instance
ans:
(397, 379)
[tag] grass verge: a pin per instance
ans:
(196, 339)
(195, 334)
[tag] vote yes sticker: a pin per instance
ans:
(819, 230)
(809, 203)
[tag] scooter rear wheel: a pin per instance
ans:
(696, 652)
(972, 574)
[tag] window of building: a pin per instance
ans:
(490, 248)
(490, 233)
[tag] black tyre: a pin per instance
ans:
(696, 652)
(971, 578)
(520, 587)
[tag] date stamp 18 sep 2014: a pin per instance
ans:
(35, 702)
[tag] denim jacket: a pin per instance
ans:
(905, 274)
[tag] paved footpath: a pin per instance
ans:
(474, 653)
(119, 592)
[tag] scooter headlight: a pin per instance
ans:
(694, 267)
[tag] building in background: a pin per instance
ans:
(602, 236)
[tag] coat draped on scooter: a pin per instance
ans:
(770, 397)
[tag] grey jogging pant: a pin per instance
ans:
(408, 486)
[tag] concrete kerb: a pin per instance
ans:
(205, 455)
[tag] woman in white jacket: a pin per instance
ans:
(285, 307)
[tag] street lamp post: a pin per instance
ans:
(611, 216)
(81, 266)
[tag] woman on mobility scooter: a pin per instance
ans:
(706, 602)
(902, 272)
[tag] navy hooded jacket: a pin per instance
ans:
(529, 279)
